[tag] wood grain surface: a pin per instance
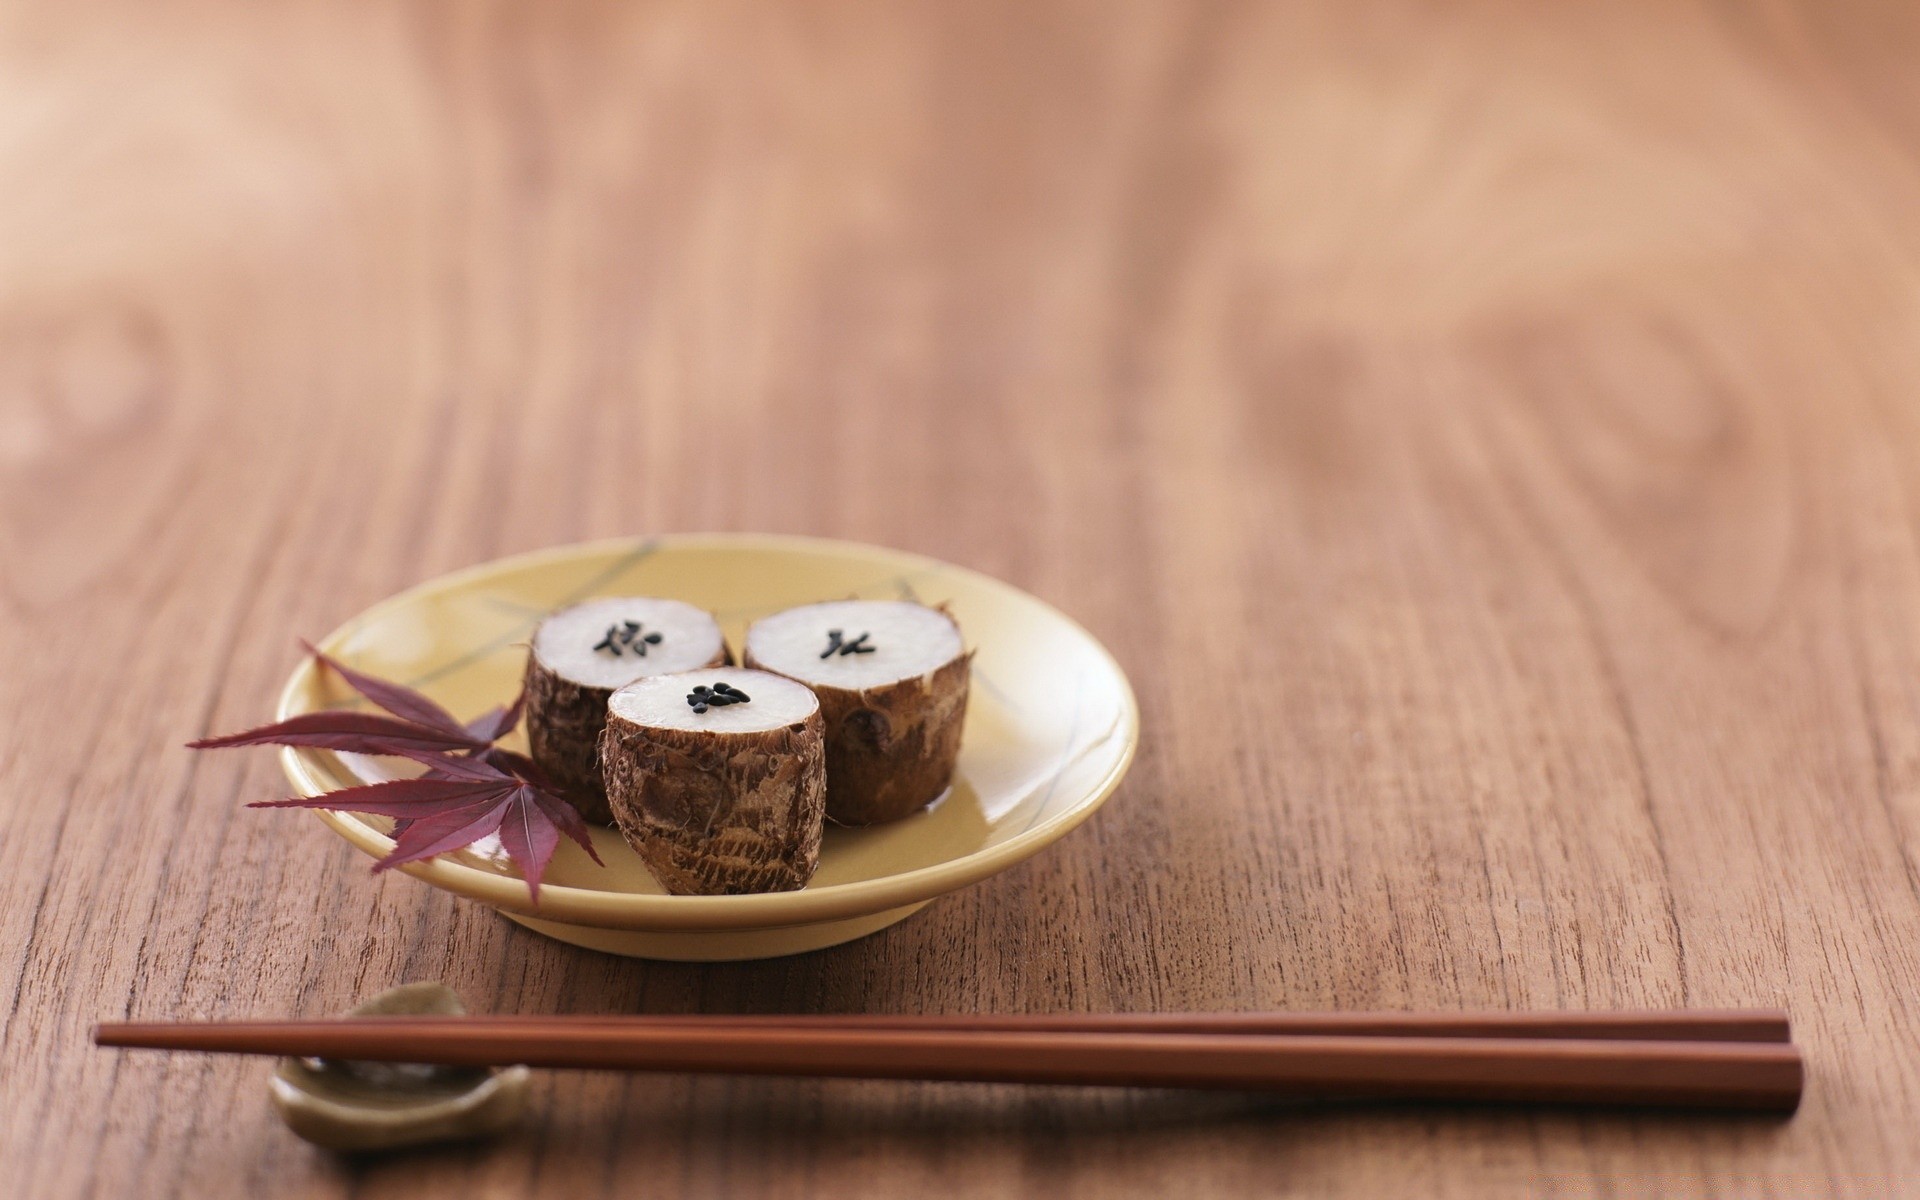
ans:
(1486, 433)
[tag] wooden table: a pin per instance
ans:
(1488, 438)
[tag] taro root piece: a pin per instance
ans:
(580, 655)
(717, 778)
(892, 680)
(352, 1106)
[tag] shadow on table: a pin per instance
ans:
(798, 1122)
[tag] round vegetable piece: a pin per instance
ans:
(717, 778)
(892, 678)
(580, 655)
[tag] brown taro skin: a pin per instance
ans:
(719, 814)
(564, 720)
(891, 749)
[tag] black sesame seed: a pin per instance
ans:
(654, 638)
(856, 646)
(699, 708)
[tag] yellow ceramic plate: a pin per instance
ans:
(1051, 727)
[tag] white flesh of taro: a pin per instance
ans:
(906, 640)
(660, 702)
(565, 641)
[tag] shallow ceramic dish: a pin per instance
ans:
(1051, 727)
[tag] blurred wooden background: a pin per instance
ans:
(1487, 433)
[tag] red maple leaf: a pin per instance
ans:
(471, 788)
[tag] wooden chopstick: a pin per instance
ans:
(1764, 1076)
(1692, 1025)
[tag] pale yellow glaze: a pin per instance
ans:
(1051, 728)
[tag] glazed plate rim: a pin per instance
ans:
(768, 910)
